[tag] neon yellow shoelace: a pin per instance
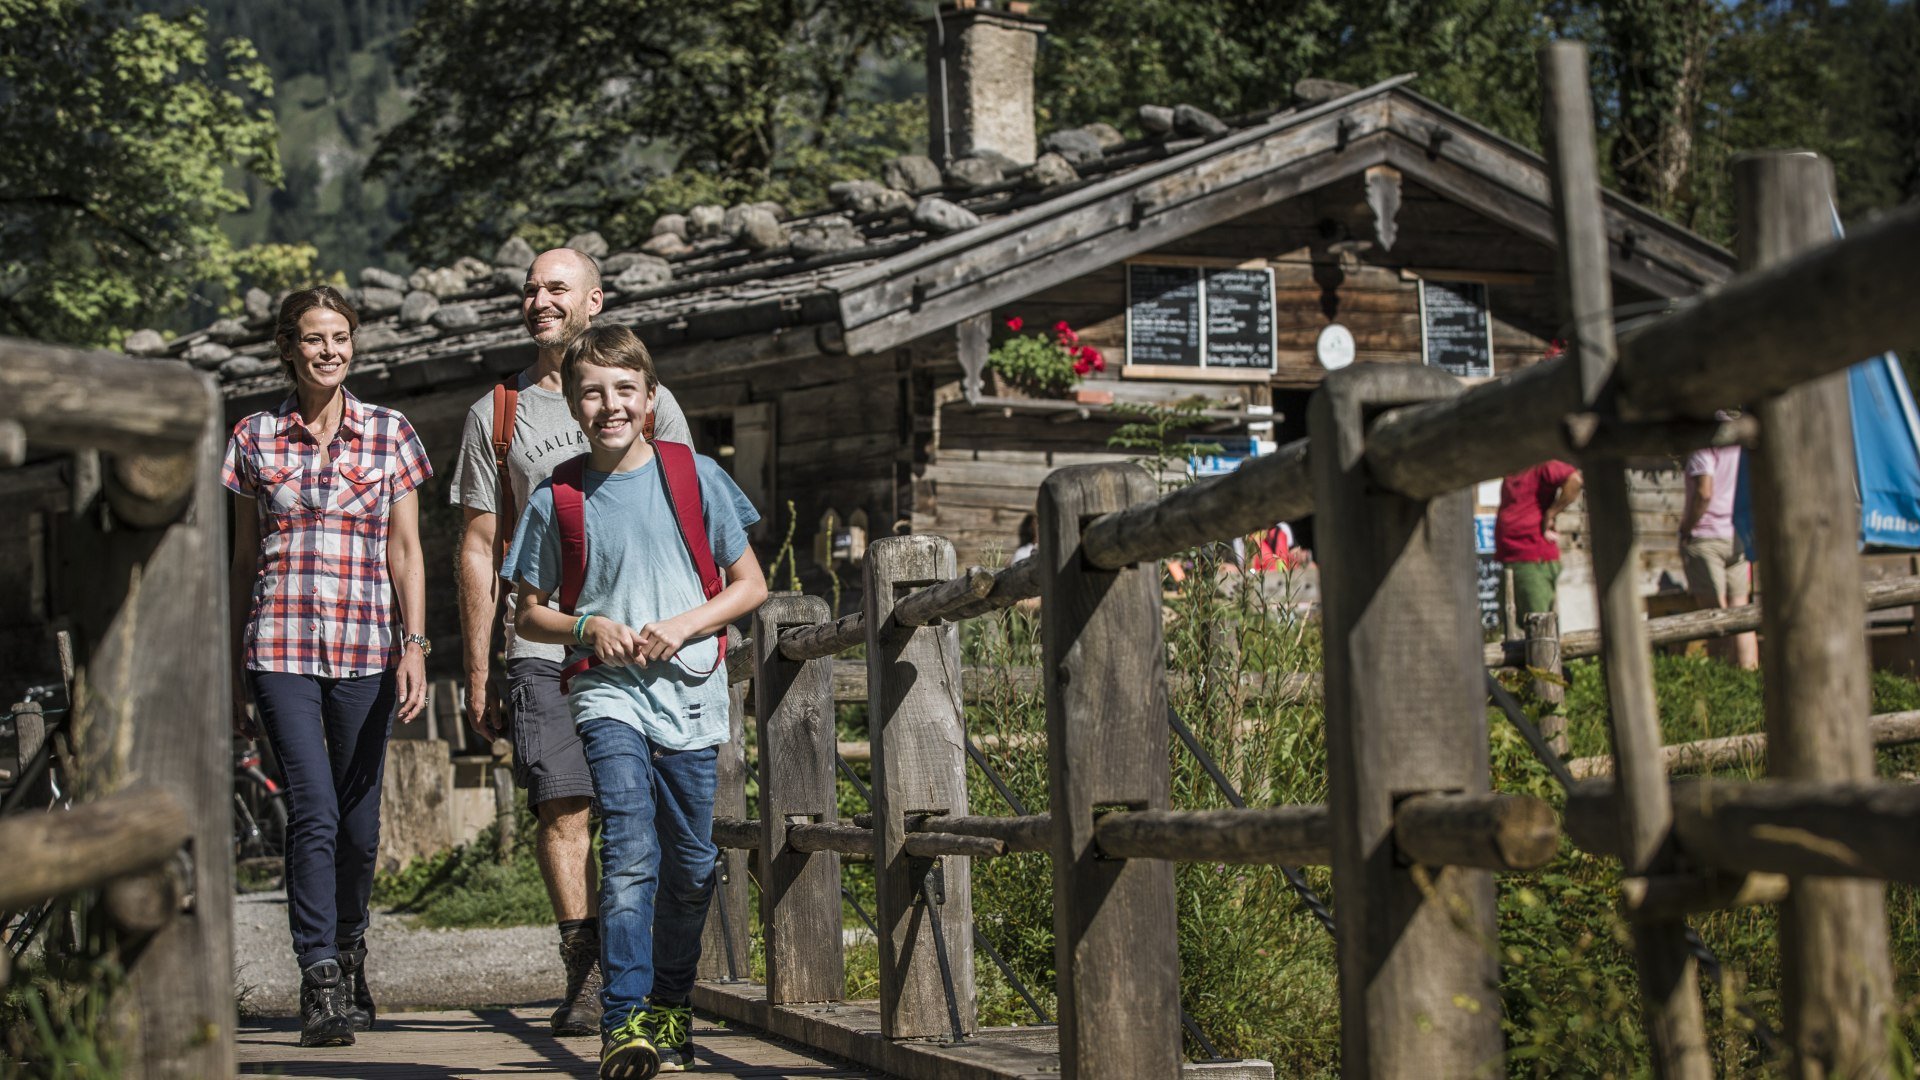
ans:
(633, 1027)
(672, 1024)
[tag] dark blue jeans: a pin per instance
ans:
(656, 859)
(331, 738)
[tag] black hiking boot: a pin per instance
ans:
(579, 1011)
(323, 1006)
(353, 970)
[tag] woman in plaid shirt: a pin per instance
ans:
(325, 541)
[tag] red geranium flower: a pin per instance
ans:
(1014, 324)
(1082, 366)
(1093, 358)
(1067, 336)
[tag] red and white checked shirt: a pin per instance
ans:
(323, 598)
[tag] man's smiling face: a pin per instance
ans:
(561, 296)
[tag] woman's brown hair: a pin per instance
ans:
(286, 329)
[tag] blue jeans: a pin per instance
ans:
(657, 862)
(331, 738)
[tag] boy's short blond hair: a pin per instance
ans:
(612, 346)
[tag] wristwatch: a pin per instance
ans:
(426, 646)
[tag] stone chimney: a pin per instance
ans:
(980, 57)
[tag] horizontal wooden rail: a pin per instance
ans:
(1486, 830)
(88, 846)
(1698, 625)
(1887, 729)
(1296, 835)
(1676, 896)
(853, 839)
(1266, 489)
(930, 605)
(79, 400)
(1032, 832)
(1761, 333)
(1801, 828)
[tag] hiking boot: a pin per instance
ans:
(353, 971)
(579, 1011)
(672, 1034)
(323, 1006)
(627, 1051)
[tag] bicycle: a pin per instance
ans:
(259, 822)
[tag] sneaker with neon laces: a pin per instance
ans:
(672, 1034)
(627, 1051)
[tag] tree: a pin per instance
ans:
(571, 114)
(119, 129)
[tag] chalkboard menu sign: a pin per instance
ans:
(1455, 332)
(1188, 317)
(1239, 305)
(1163, 315)
(1488, 588)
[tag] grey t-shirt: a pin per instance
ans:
(639, 571)
(544, 435)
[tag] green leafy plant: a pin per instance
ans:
(1041, 364)
(1154, 432)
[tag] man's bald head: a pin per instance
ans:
(561, 296)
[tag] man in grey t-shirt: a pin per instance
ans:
(562, 295)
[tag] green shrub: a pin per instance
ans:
(470, 886)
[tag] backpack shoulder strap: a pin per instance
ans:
(682, 479)
(569, 513)
(506, 401)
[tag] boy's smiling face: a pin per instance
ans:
(612, 406)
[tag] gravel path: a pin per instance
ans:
(407, 968)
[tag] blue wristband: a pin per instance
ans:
(579, 628)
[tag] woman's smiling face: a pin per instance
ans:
(323, 350)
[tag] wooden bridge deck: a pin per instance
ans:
(511, 1043)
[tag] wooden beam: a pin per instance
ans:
(1419, 989)
(1291, 835)
(1885, 729)
(1116, 922)
(80, 400)
(1836, 979)
(799, 890)
(724, 941)
(1672, 897)
(51, 854)
(1766, 332)
(1489, 830)
(919, 767)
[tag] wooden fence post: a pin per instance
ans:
(799, 892)
(919, 767)
(724, 940)
(1833, 932)
(1669, 979)
(151, 705)
(1546, 685)
(1115, 921)
(1406, 715)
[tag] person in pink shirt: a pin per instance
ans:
(1718, 574)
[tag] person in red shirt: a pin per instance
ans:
(1524, 538)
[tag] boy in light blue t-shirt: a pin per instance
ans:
(653, 711)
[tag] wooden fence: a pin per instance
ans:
(1411, 830)
(142, 582)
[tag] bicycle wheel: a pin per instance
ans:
(259, 832)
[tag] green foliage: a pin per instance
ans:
(56, 1019)
(604, 113)
(121, 129)
(470, 886)
(1154, 433)
(1034, 362)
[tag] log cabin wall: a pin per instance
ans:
(982, 465)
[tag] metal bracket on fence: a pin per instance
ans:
(931, 889)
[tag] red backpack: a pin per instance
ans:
(682, 480)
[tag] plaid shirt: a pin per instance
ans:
(323, 599)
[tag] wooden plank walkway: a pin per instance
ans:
(513, 1043)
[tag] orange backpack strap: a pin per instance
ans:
(506, 401)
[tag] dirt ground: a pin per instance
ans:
(407, 968)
